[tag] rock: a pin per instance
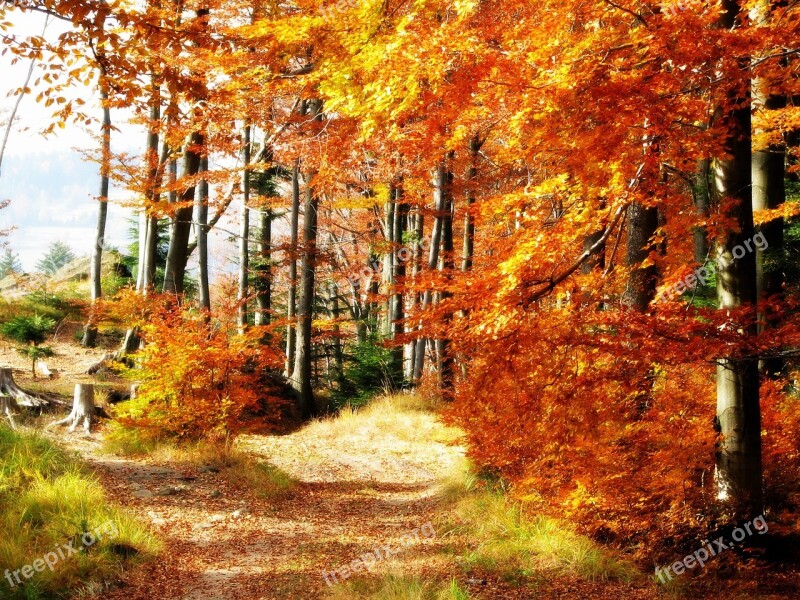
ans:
(155, 519)
(169, 490)
(142, 493)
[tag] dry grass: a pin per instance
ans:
(414, 446)
(397, 587)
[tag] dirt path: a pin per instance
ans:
(358, 490)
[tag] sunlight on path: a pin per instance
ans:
(365, 480)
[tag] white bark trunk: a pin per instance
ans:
(82, 408)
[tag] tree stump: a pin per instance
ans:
(82, 408)
(9, 387)
(6, 405)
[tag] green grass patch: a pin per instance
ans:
(266, 481)
(397, 587)
(519, 547)
(48, 504)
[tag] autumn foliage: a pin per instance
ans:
(197, 377)
(540, 129)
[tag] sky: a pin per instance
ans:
(52, 188)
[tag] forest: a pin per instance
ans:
(425, 299)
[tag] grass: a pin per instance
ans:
(48, 501)
(518, 547)
(266, 481)
(397, 587)
(402, 417)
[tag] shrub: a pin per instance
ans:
(199, 378)
(36, 353)
(369, 371)
(28, 330)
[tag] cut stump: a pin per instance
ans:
(9, 387)
(82, 408)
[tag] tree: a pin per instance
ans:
(95, 274)
(9, 263)
(738, 466)
(58, 254)
(301, 373)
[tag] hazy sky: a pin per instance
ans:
(52, 188)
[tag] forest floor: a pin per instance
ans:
(361, 481)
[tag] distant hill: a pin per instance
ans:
(75, 272)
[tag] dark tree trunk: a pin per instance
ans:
(90, 330)
(301, 374)
(178, 253)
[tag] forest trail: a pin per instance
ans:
(360, 485)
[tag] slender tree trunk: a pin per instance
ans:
(738, 465)
(264, 270)
(301, 374)
(642, 225)
(416, 299)
(178, 253)
(446, 360)
(291, 300)
(701, 203)
(201, 232)
(399, 266)
(244, 233)
(96, 269)
(388, 262)
(769, 192)
(440, 195)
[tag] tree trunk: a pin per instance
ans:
(446, 360)
(769, 192)
(701, 203)
(440, 195)
(263, 281)
(738, 464)
(82, 408)
(388, 262)
(399, 266)
(96, 269)
(291, 300)
(201, 232)
(301, 374)
(244, 234)
(416, 300)
(642, 225)
(9, 387)
(178, 253)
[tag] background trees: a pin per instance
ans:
(590, 158)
